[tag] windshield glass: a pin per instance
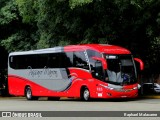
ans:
(121, 69)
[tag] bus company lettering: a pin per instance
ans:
(43, 72)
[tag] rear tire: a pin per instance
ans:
(28, 94)
(85, 94)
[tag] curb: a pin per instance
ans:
(150, 97)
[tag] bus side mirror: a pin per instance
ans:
(102, 61)
(140, 63)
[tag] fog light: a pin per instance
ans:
(135, 88)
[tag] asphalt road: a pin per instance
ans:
(21, 104)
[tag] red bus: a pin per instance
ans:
(82, 71)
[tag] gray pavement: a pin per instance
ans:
(21, 104)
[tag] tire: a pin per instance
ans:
(53, 98)
(28, 94)
(85, 94)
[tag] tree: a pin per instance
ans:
(74, 3)
(134, 24)
(16, 34)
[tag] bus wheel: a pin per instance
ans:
(53, 98)
(28, 94)
(85, 95)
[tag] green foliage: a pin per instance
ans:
(32, 24)
(18, 42)
(8, 13)
(74, 3)
(26, 9)
(50, 22)
(3, 3)
(15, 34)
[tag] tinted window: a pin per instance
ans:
(53, 60)
(92, 53)
(29, 61)
(80, 60)
(66, 59)
(37, 61)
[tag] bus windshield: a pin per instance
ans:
(121, 69)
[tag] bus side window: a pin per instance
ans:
(79, 60)
(17, 62)
(53, 60)
(12, 62)
(66, 60)
(96, 67)
(92, 53)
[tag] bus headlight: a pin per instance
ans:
(107, 87)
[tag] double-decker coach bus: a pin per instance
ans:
(82, 71)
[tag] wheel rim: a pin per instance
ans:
(29, 93)
(86, 94)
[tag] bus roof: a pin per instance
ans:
(103, 48)
(39, 51)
